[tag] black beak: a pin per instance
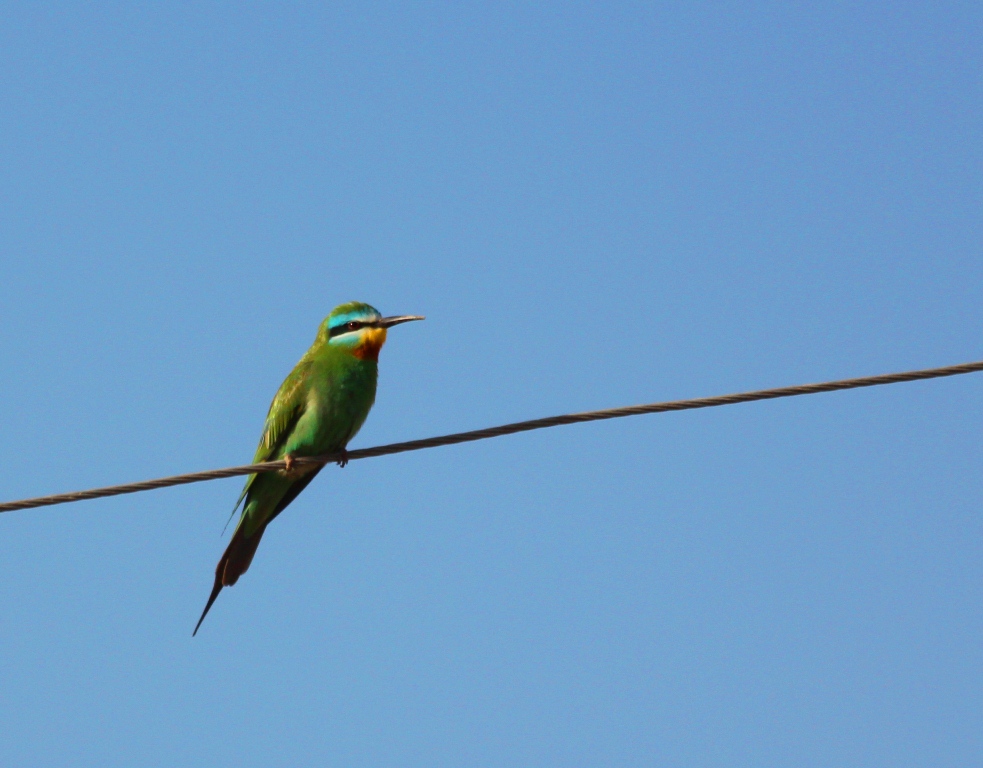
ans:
(389, 322)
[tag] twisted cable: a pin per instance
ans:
(504, 429)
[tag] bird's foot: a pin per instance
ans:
(293, 468)
(343, 461)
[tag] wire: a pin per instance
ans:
(505, 429)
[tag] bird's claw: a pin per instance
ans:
(343, 461)
(288, 463)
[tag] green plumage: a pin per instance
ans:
(317, 410)
(320, 406)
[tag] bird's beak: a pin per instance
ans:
(389, 322)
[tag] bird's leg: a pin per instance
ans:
(343, 461)
(288, 463)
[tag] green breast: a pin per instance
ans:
(341, 395)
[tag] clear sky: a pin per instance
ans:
(594, 205)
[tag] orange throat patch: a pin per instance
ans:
(372, 341)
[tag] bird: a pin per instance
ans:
(320, 406)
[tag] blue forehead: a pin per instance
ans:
(367, 314)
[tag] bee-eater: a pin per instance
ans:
(317, 410)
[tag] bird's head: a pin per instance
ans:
(360, 329)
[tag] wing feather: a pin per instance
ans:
(287, 407)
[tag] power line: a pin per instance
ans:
(505, 429)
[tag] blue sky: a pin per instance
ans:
(594, 205)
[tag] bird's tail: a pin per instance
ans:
(234, 562)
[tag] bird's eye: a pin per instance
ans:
(353, 326)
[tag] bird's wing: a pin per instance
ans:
(287, 407)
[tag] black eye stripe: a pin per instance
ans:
(351, 325)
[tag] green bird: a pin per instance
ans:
(317, 410)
